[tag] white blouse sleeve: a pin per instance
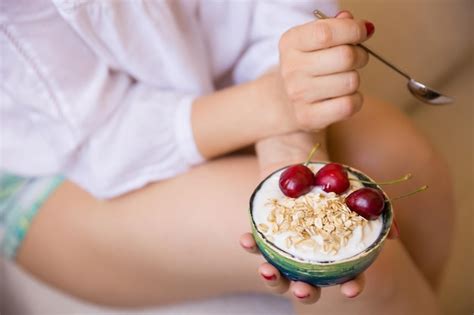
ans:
(109, 120)
(101, 91)
(148, 136)
(256, 27)
(270, 20)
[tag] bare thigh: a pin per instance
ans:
(384, 143)
(177, 240)
(171, 241)
(394, 286)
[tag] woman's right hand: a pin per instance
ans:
(314, 86)
(318, 63)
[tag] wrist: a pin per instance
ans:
(291, 148)
(274, 103)
(235, 117)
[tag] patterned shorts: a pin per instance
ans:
(20, 199)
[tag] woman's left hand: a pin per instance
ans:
(274, 153)
(300, 291)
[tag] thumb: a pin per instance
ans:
(344, 14)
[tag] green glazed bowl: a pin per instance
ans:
(325, 273)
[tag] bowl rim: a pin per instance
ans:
(387, 219)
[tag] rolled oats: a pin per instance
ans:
(316, 220)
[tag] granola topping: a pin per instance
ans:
(314, 220)
(316, 226)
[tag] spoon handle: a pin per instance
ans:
(320, 15)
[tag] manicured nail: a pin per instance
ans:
(352, 295)
(370, 28)
(341, 12)
(301, 296)
(269, 278)
(249, 247)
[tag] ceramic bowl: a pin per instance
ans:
(323, 273)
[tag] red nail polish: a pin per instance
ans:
(370, 28)
(248, 247)
(269, 278)
(352, 296)
(302, 296)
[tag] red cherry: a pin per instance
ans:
(367, 202)
(333, 166)
(296, 181)
(332, 177)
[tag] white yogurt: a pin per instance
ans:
(361, 238)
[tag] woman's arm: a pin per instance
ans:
(239, 116)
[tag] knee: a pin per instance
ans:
(424, 155)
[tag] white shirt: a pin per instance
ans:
(101, 91)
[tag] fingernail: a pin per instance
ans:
(302, 296)
(269, 278)
(342, 11)
(370, 28)
(352, 295)
(249, 247)
(396, 230)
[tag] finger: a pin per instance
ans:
(334, 85)
(333, 60)
(305, 293)
(394, 232)
(353, 287)
(344, 14)
(322, 34)
(324, 87)
(248, 243)
(320, 115)
(273, 279)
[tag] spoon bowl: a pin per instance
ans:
(419, 90)
(426, 94)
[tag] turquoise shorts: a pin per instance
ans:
(20, 200)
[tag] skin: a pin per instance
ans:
(153, 246)
(75, 235)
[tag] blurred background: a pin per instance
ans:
(433, 40)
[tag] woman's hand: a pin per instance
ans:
(303, 292)
(318, 63)
(314, 86)
(273, 153)
(276, 152)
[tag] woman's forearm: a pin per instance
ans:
(291, 148)
(239, 116)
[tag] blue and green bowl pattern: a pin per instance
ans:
(324, 273)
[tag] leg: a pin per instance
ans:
(153, 246)
(384, 143)
(173, 240)
(394, 286)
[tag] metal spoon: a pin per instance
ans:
(418, 89)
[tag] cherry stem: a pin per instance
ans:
(311, 154)
(389, 182)
(422, 188)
